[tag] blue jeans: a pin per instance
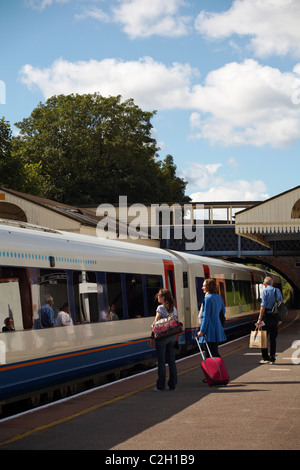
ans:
(165, 348)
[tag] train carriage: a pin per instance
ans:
(91, 274)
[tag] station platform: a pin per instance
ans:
(258, 410)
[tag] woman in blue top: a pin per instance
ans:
(211, 329)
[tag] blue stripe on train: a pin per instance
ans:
(30, 376)
(26, 377)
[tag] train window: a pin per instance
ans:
(233, 295)
(54, 283)
(239, 295)
(171, 283)
(134, 295)
(258, 289)
(200, 293)
(15, 297)
(153, 284)
(85, 297)
(114, 293)
(245, 295)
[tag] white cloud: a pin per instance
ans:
(247, 104)
(144, 18)
(93, 12)
(273, 25)
(215, 187)
(138, 18)
(238, 104)
(238, 190)
(200, 174)
(42, 4)
(153, 85)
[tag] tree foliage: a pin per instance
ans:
(87, 149)
(11, 168)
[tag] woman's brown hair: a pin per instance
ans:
(169, 301)
(211, 286)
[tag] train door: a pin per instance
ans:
(206, 271)
(199, 285)
(170, 278)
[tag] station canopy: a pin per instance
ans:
(277, 218)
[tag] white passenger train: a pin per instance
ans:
(91, 274)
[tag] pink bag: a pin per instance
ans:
(166, 327)
(214, 369)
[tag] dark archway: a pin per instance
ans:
(296, 210)
(12, 212)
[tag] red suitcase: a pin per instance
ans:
(213, 368)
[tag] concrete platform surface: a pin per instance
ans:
(258, 410)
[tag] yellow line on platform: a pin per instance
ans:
(75, 415)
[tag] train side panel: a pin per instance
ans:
(91, 274)
(240, 287)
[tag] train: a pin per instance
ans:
(91, 274)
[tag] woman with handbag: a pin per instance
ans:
(165, 346)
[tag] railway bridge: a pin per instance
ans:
(265, 232)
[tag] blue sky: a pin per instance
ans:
(223, 76)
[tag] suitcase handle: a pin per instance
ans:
(196, 338)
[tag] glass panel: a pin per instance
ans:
(10, 299)
(134, 294)
(53, 283)
(114, 295)
(200, 293)
(153, 284)
(15, 297)
(245, 295)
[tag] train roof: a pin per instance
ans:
(38, 234)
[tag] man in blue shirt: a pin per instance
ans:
(271, 324)
(47, 313)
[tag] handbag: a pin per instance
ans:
(222, 317)
(258, 339)
(279, 310)
(166, 327)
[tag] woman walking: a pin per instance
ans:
(211, 330)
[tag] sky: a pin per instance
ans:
(222, 75)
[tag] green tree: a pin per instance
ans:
(87, 149)
(174, 185)
(10, 166)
